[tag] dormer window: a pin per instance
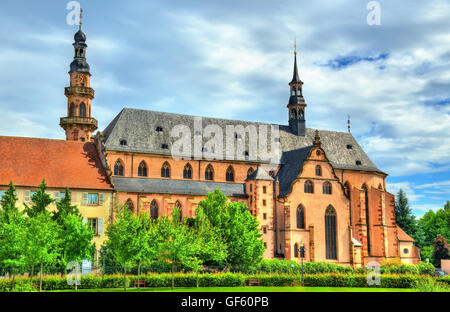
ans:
(349, 146)
(358, 162)
(123, 142)
(159, 129)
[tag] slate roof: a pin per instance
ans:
(26, 161)
(138, 128)
(180, 187)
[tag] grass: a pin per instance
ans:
(248, 289)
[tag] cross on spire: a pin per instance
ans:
(295, 46)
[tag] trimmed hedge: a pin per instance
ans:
(226, 280)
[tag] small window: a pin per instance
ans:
(118, 168)
(264, 202)
(130, 205)
(327, 187)
(123, 142)
(264, 189)
(57, 196)
(405, 251)
(237, 136)
(272, 173)
(246, 153)
(187, 172)
(209, 173)
(230, 174)
(165, 170)
(249, 171)
(93, 199)
(93, 222)
(318, 153)
(296, 250)
(198, 132)
(264, 230)
(318, 171)
(165, 146)
(309, 187)
(159, 129)
(265, 244)
(349, 146)
(358, 162)
(142, 169)
(251, 187)
(154, 210)
(265, 216)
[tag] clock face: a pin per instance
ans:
(81, 78)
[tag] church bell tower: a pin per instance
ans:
(297, 105)
(79, 125)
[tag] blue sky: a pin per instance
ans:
(233, 59)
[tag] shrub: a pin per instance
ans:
(425, 268)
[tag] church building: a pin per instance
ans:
(322, 193)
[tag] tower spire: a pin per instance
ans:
(296, 105)
(79, 123)
(348, 123)
(81, 17)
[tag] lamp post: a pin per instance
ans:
(103, 251)
(302, 255)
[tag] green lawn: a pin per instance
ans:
(250, 289)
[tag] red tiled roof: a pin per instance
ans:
(26, 161)
(402, 236)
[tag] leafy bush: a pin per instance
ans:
(425, 268)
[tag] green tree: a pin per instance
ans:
(75, 240)
(440, 250)
(447, 205)
(404, 218)
(238, 228)
(179, 245)
(147, 241)
(241, 232)
(12, 242)
(125, 238)
(40, 200)
(8, 204)
(41, 241)
(211, 247)
(64, 208)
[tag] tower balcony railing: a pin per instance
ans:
(76, 120)
(81, 91)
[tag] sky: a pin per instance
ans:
(234, 59)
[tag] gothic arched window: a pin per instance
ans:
(326, 188)
(250, 171)
(154, 210)
(309, 187)
(72, 110)
(300, 217)
(142, 169)
(230, 174)
(347, 189)
(180, 209)
(165, 170)
(187, 172)
(130, 205)
(330, 233)
(318, 171)
(82, 110)
(209, 173)
(118, 168)
(366, 200)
